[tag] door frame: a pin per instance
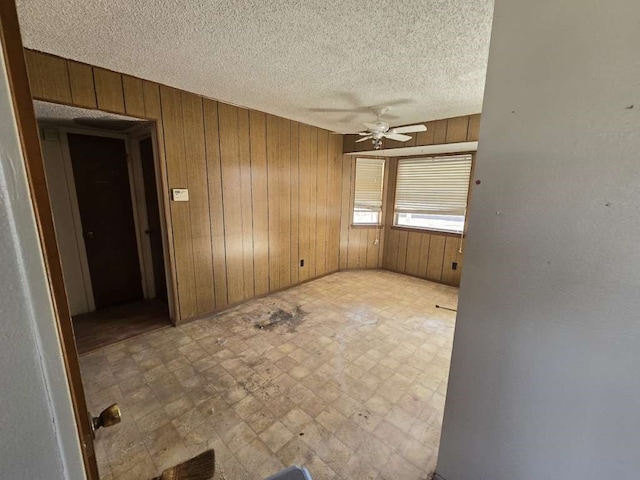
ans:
(24, 114)
(135, 137)
(135, 193)
(132, 140)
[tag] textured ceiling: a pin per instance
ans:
(291, 58)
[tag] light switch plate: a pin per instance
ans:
(180, 194)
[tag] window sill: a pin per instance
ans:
(366, 225)
(432, 231)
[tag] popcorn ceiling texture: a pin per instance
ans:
(284, 57)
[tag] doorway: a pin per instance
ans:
(103, 187)
(106, 212)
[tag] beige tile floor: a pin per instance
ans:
(353, 391)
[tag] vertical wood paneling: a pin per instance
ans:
(196, 169)
(349, 143)
(304, 199)
(457, 129)
(313, 195)
(244, 152)
(439, 132)
(457, 274)
(391, 258)
(273, 178)
(232, 200)
(474, 128)
(134, 97)
(152, 103)
(423, 256)
(362, 247)
(48, 77)
(345, 214)
(83, 91)
(450, 255)
(214, 180)
(412, 266)
(426, 138)
(177, 178)
(353, 254)
(321, 203)
(334, 202)
(373, 234)
(436, 257)
(294, 183)
(109, 93)
(401, 262)
(260, 197)
(284, 193)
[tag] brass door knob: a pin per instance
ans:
(110, 416)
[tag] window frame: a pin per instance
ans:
(408, 228)
(383, 209)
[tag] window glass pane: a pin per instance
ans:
(446, 223)
(363, 216)
(367, 202)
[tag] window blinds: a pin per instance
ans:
(369, 181)
(433, 186)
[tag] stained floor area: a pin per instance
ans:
(112, 325)
(345, 375)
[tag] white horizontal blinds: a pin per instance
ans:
(434, 185)
(369, 181)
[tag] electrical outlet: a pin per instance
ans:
(454, 266)
(302, 262)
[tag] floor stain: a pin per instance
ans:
(282, 317)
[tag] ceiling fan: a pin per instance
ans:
(379, 130)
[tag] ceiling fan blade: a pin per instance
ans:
(409, 129)
(365, 138)
(397, 136)
(363, 133)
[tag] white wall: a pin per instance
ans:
(63, 217)
(545, 377)
(38, 437)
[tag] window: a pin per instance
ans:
(367, 202)
(432, 192)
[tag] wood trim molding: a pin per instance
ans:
(30, 142)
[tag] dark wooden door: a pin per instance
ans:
(104, 198)
(153, 217)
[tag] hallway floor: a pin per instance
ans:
(111, 325)
(345, 375)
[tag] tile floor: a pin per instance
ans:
(352, 386)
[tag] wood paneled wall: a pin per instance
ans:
(360, 246)
(264, 191)
(423, 254)
(448, 130)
